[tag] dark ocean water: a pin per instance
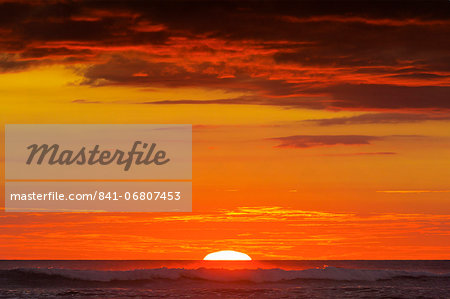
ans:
(207, 279)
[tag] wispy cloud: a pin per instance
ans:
(362, 154)
(261, 231)
(414, 191)
(307, 141)
(380, 118)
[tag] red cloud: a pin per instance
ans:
(307, 141)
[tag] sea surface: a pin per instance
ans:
(213, 279)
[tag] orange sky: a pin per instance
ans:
(305, 119)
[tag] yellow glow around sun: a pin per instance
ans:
(227, 255)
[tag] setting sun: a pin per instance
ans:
(227, 255)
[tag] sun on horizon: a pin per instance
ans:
(227, 255)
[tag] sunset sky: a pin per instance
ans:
(321, 130)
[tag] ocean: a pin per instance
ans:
(216, 279)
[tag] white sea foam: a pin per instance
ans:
(225, 275)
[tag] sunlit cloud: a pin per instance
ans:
(414, 191)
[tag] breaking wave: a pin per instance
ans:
(220, 275)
